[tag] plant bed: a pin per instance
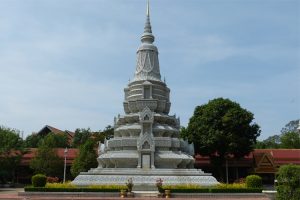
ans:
(189, 190)
(235, 190)
(220, 188)
(45, 189)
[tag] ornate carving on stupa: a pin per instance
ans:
(146, 143)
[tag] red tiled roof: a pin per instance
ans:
(53, 129)
(280, 156)
(47, 129)
(71, 155)
(70, 133)
(56, 130)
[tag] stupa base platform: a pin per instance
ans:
(142, 178)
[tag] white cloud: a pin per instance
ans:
(67, 65)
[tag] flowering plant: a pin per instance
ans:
(129, 184)
(159, 184)
(52, 179)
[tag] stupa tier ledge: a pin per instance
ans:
(146, 143)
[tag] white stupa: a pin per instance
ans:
(146, 144)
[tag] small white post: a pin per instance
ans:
(65, 153)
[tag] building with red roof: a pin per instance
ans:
(24, 173)
(264, 162)
(50, 129)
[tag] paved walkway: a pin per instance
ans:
(16, 197)
(12, 194)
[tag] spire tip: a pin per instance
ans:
(148, 9)
(147, 36)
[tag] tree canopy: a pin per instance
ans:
(58, 140)
(81, 136)
(86, 159)
(288, 139)
(32, 140)
(272, 142)
(107, 133)
(222, 128)
(291, 126)
(11, 150)
(46, 160)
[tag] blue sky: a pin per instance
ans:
(65, 63)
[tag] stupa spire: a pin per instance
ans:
(146, 142)
(147, 67)
(147, 36)
(148, 9)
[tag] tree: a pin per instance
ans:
(291, 126)
(46, 160)
(32, 140)
(183, 133)
(86, 159)
(11, 151)
(288, 178)
(220, 129)
(59, 140)
(107, 133)
(290, 140)
(81, 136)
(272, 142)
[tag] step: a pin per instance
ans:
(145, 193)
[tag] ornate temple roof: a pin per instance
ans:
(147, 65)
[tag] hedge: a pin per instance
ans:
(198, 190)
(187, 190)
(235, 190)
(43, 189)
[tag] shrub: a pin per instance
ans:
(60, 185)
(67, 187)
(52, 179)
(159, 185)
(253, 181)
(231, 186)
(235, 190)
(45, 189)
(39, 180)
(106, 187)
(181, 186)
(240, 180)
(189, 190)
(129, 184)
(186, 188)
(288, 179)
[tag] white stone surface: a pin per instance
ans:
(146, 144)
(145, 177)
